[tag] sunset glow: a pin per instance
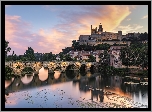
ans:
(51, 28)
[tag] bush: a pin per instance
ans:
(8, 73)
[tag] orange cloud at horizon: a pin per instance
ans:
(109, 16)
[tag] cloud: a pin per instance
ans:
(18, 33)
(109, 16)
(133, 6)
(128, 19)
(130, 28)
(71, 25)
(144, 17)
(20, 37)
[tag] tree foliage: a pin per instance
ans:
(29, 54)
(7, 48)
(135, 55)
(104, 58)
(104, 46)
(91, 58)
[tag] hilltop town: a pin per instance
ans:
(92, 48)
(112, 42)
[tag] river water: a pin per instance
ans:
(74, 90)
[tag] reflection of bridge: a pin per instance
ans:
(36, 66)
(37, 80)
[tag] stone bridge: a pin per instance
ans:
(18, 67)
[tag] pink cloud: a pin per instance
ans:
(109, 16)
(19, 33)
(20, 37)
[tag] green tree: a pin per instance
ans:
(135, 55)
(7, 49)
(15, 57)
(91, 58)
(143, 56)
(104, 58)
(44, 57)
(29, 54)
(143, 36)
(61, 56)
(68, 58)
(102, 46)
(75, 45)
(50, 56)
(125, 55)
(104, 62)
(67, 49)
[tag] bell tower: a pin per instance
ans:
(100, 30)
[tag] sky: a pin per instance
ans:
(51, 28)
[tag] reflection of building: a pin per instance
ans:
(83, 84)
(97, 93)
(116, 81)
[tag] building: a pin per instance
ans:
(87, 40)
(98, 36)
(115, 56)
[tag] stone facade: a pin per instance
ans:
(99, 37)
(115, 56)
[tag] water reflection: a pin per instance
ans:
(88, 74)
(43, 74)
(63, 77)
(8, 82)
(71, 74)
(97, 93)
(90, 87)
(57, 74)
(27, 78)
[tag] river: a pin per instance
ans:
(74, 90)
